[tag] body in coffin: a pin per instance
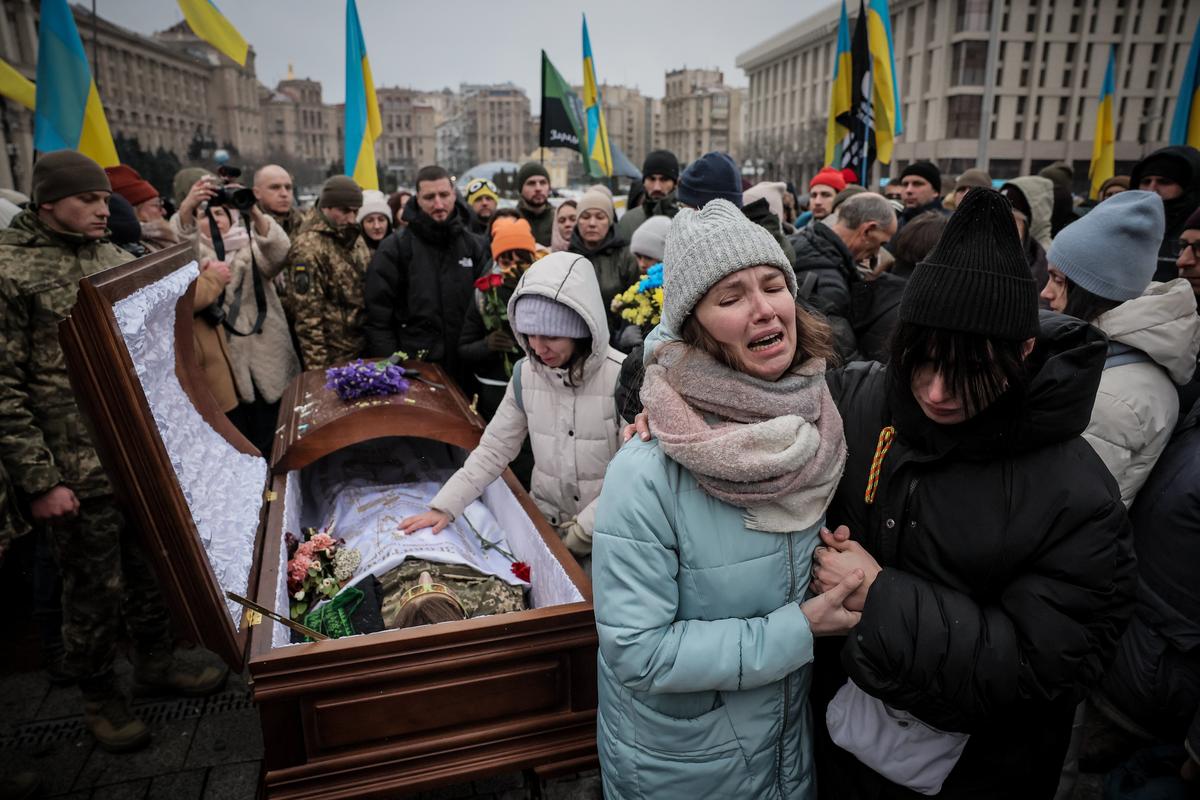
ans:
(386, 712)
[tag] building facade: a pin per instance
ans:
(700, 114)
(299, 124)
(485, 123)
(409, 139)
(1050, 63)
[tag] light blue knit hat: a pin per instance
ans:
(1113, 250)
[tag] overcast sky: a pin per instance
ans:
(432, 44)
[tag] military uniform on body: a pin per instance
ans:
(328, 269)
(47, 451)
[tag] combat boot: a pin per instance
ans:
(113, 725)
(159, 671)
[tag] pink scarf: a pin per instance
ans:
(236, 238)
(773, 448)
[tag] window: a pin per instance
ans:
(962, 116)
(1027, 52)
(1118, 23)
(1031, 22)
(1074, 23)
(931, 21)
(972, 15)
(970, 64)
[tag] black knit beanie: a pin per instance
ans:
(927, 170)
(661, 162)
(528, 170)
(65, 173)
(976, 279)
(341, 191)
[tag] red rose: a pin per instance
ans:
(496, 281)
(483, 284)
(521, 570)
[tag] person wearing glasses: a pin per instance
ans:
(156, 231)
(1100, 272)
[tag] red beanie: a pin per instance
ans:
(850, 175)
(828, 176)
(128, 183)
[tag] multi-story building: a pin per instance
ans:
(409, 139)
(165, 91)
(629, 117)
(1050, 63)
(700, 113)
(299, 125)
(487, 123)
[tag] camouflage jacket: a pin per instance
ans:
(291, 222)
(326, 278)
(43, 441)
(12, 524)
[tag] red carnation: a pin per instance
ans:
(521, 570)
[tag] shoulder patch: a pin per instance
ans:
(300, 279)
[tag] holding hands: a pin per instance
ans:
(836, 558)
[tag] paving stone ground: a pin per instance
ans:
(203, 749)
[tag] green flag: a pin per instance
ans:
(560, 110)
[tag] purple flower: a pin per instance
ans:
(366, 379)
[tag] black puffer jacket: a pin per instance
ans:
(1177, 209)
(419, 285)
(862, 313)
(1008, 572)
(1154, 681)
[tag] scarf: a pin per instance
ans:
(775, 449)
(236, 238)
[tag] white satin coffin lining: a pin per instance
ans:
(223, 487)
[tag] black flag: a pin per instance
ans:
(858, 147)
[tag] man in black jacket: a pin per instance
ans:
(921, 184)
(421, 279)
(862, 313)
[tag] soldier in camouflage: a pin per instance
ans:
(478, 593)
(47, 451)
(328, 268)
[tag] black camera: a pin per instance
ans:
(239, 199)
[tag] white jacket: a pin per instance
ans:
(1137, 404)
(574, 430)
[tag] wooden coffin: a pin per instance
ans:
(363, 716)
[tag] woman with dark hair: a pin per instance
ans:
(914, 242)
(565, 217)
(1100, 272)
(396, 202)
(703, 537)
(996, 549)
(561, 395)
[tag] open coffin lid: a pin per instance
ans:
(194, 487)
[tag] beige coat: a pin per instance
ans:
(1136, 404)
(266, 360)
(574, 431)
(208, 341)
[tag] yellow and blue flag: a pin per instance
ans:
(1185, 127)
(599, 152)
(16, 86)
(1103, 154)
(207, 22)
(67, 113)
(363, 123)
(885, 99)
(840, 92)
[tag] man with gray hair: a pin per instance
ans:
(833, 269)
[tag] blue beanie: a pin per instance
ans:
(713, 175)
(1113, 251)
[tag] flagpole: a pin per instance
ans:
(867, 120)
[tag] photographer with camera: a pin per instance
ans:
(238, 313)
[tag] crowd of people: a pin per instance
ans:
(895, 499)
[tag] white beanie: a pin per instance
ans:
(706, 245)
(773, 191)
(594, 199)
(374, 202)
(650, 238)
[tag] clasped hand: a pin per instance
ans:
(836, 558)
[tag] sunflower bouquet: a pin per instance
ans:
(641, 304)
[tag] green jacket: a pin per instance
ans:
(634, 217)
(541, 223)
(705, 656)
(616, 268)
(327, 280)
(43, 441)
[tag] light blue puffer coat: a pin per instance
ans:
(704, 653)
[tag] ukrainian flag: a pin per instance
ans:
(210, 25)
(1185, 128)
(363, 123)
(16, 86)
(68, 114)
(885, 101)
(1103, 157)
(599, 151)
(840, 93)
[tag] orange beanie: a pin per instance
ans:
(511, 234)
